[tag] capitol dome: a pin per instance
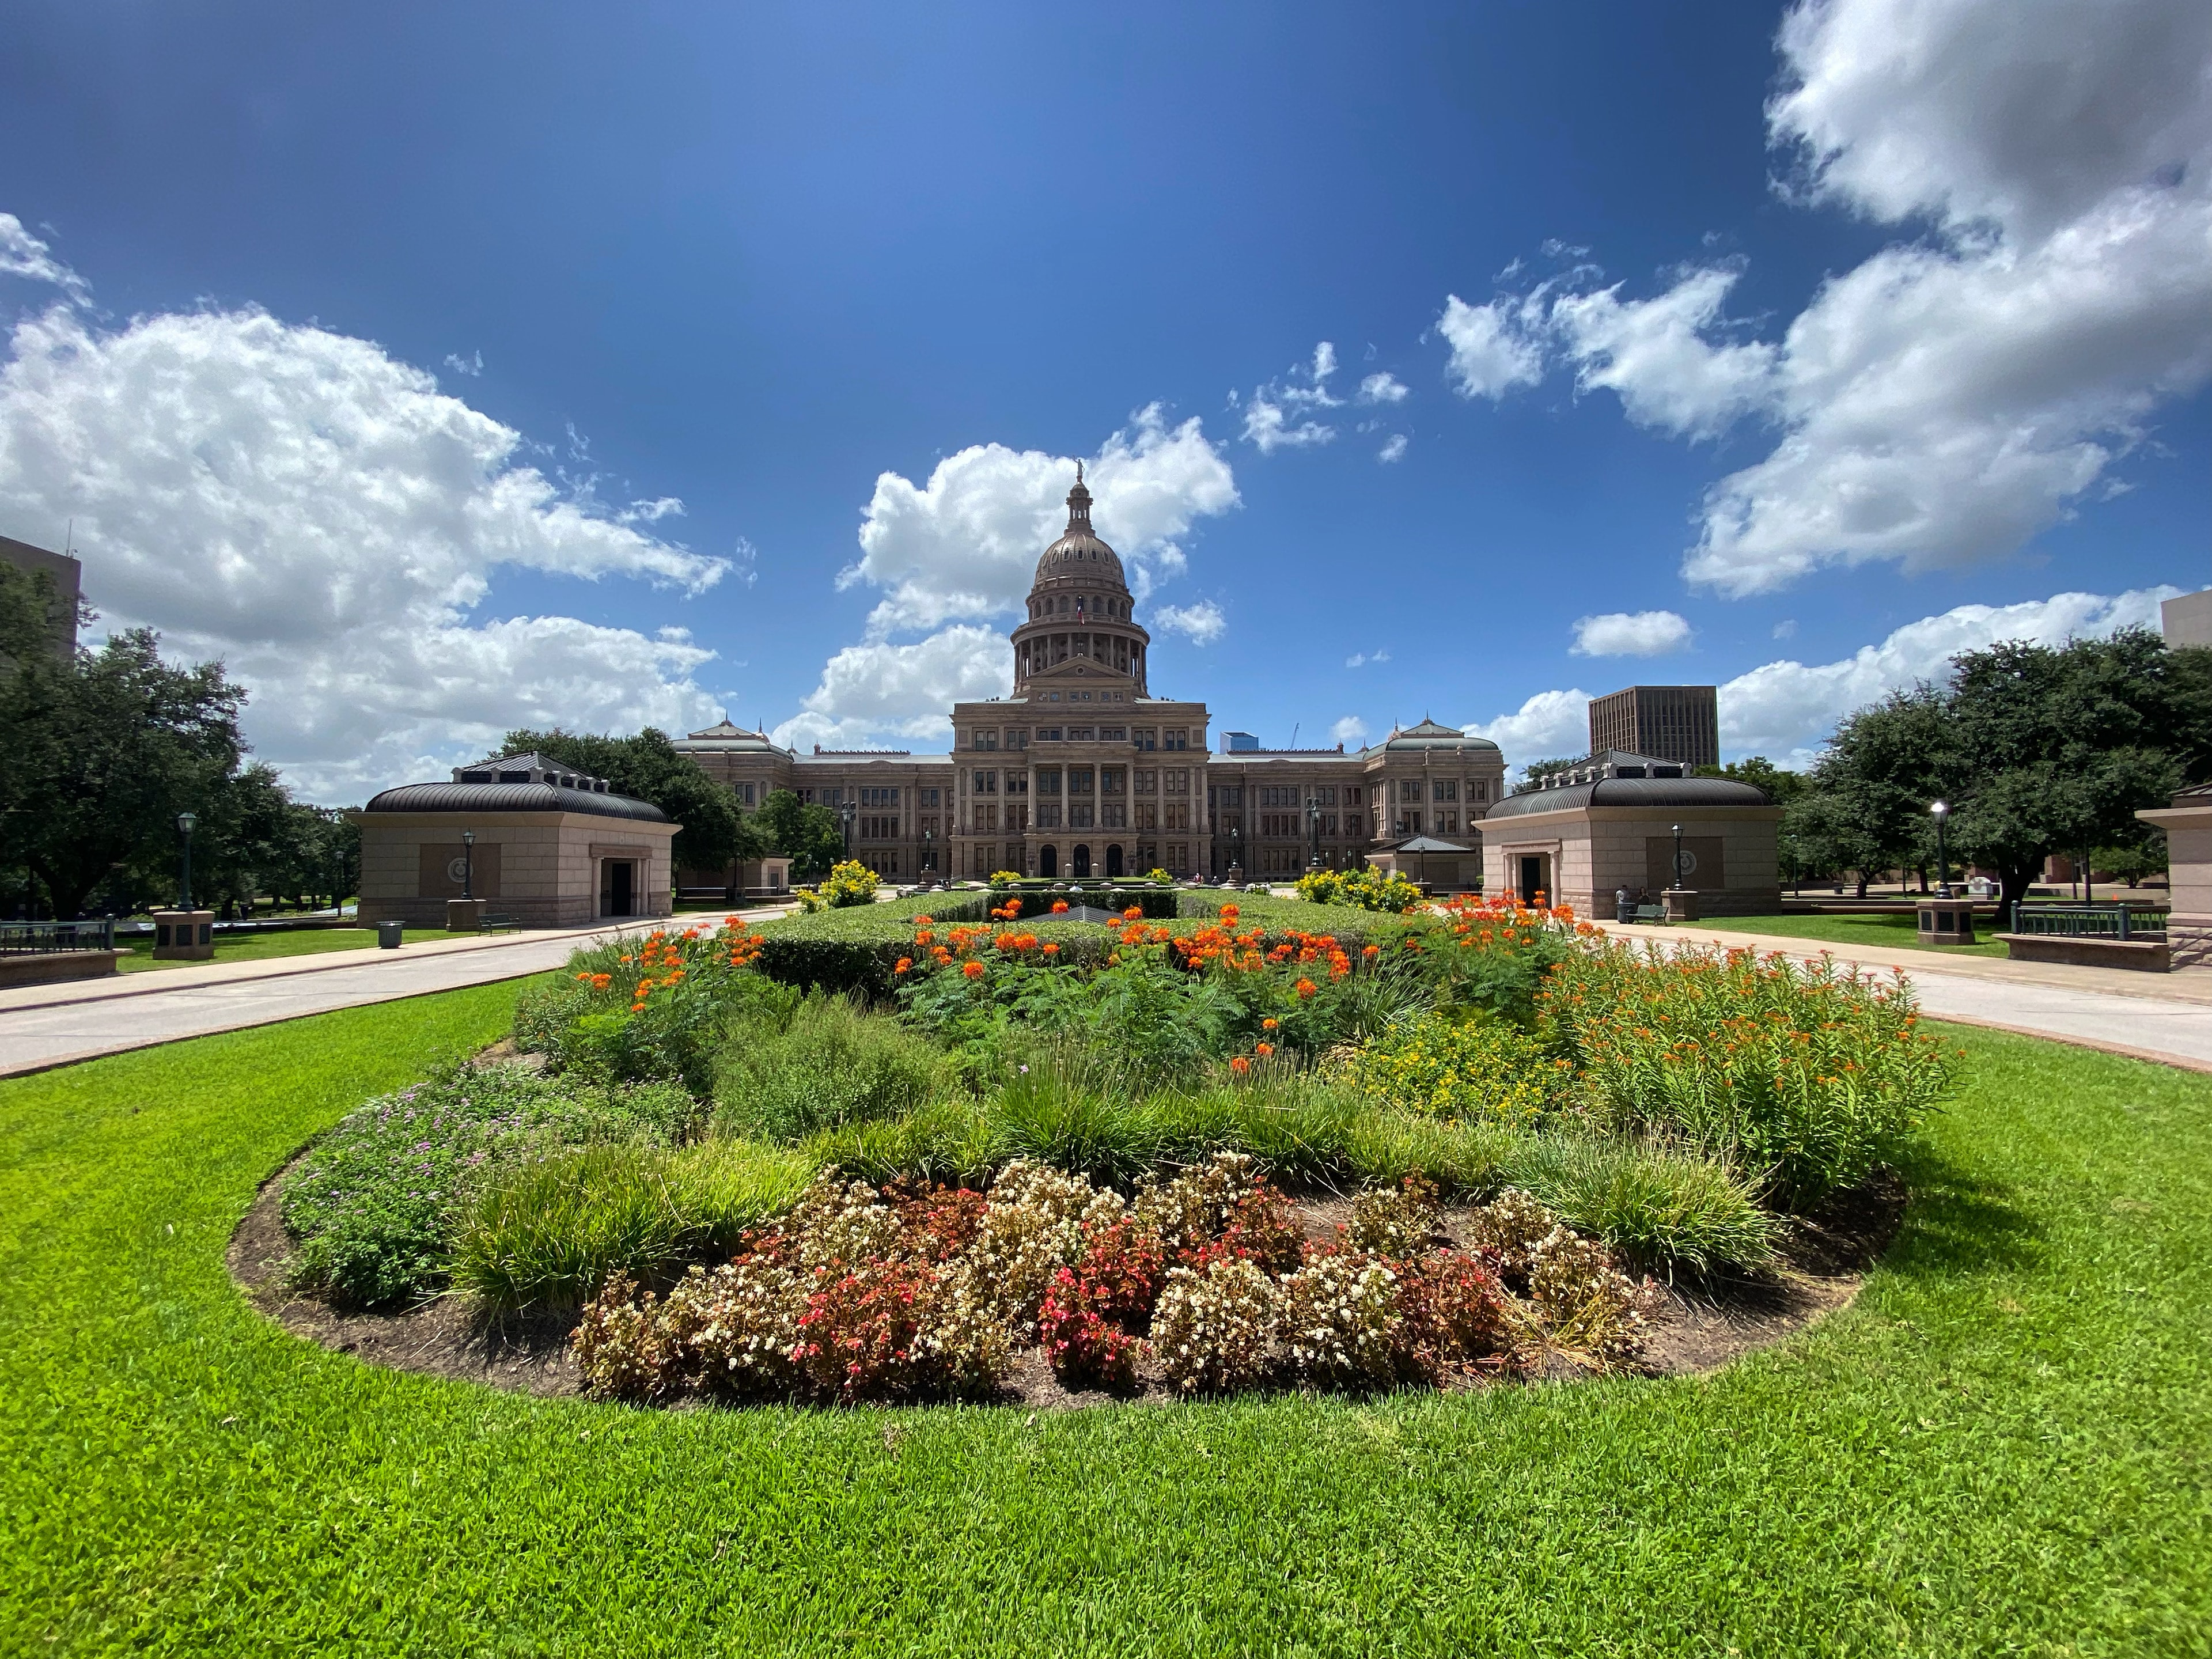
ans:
(1078, 554)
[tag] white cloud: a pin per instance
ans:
(1350, 730)
(1279, 414)
(876, 692)
(1784, 710)
(1549, 724)
(1394, 448)
(1360, 658)
(1786, 629)
(24, 255)
(1384, 388)
(964, 545)
(471, 366)
(1656, 355)
(1631, 634)
(1202, 623)
(1955, 395)
(316, 512)
(1493, 348)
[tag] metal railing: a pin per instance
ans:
(42, 939)
(2118, 921)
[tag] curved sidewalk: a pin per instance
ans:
(2165, 1018)
(42, 1026)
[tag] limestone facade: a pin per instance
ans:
(1581, 844)
(1081, 770)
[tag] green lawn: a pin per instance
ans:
(2002, 1448)
(1894, 932)
(258, 947)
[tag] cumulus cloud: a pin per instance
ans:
(1956, 393)
(1493, 347)
(1350, 730)
(877, 691)
(316, 512)
(1394, 448)
(1384, 388)
(1658, 355)
(1202, 623)
(964, 545)
(1280, 415)
(1784, 710)
(1549, 724)
(1631, 634)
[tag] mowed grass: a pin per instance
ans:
(263, 947)
(2000, 1447)
(1890, 932)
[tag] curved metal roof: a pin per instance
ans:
(1634, 792)
(511, 798)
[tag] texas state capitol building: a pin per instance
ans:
(1081, 771)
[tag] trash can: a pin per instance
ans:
(387, 934)
(1623, 906)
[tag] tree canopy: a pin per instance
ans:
(809, 835)
(2035, 749)
(714, 831)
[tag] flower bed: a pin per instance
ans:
(1073, 1142)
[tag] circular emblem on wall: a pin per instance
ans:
(457, 869)
(1687, 865)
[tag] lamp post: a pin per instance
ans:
(1313, 832)
(1941, 814)
(187, 822)
(468, 864)
(928, 854)
(846, 809)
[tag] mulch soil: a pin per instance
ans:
(1692, 1330)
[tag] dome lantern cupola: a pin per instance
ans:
(1081, 615)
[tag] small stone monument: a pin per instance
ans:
(184, 935)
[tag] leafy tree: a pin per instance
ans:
(1883, 768)
(650, 767)
(809, 835)
(100, 751)
(2131, 861)
(1781, 785)
(2057, 748)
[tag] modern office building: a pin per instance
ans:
(1680, 723)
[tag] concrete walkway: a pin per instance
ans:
(43, 1026)
(2161, 1017)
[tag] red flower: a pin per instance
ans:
(974, 970)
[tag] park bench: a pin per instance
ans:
(1649, 913)
(497, 924)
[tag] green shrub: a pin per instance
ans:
(945, 1141)
(832, 1064)
(849, 884)
(371, 1207)
(1478, 1068)
(1797, 1071)
(551, 1231)
(1364, 888)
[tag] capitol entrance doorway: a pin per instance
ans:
(1081, 866)
(1048, 861)
(1114, 860)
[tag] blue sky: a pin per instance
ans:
(1921, 289)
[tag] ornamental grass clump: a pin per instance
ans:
(1802, 1073)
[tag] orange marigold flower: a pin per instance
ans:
(1059, 907)
(1269, 1023)
(973, 969)
(1263, 1049)
(1305, 988)
(1240, 1065)
(1052, 950)
(1370, 949)
(904, 963)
